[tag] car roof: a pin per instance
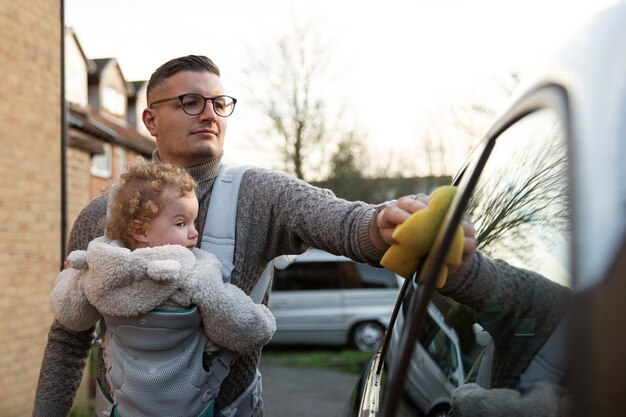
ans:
(317, 255)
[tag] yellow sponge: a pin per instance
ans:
(416, 235)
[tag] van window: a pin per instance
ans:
(358, 275)
(307, 276)
(332, 275)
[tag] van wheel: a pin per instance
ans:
(365, 336)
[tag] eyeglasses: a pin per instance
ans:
(193, 104)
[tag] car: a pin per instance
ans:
(546, 191)
(436, 367)
(322, 299)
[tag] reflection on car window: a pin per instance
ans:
(520, 205)
(520, 208)
(443, 353)
(435, 367)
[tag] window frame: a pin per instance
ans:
(105, 171)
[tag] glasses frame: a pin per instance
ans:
(181, 97)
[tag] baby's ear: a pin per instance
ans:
(77, 259)
(137, 231)
(164, 270)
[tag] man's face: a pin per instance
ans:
(185, 140)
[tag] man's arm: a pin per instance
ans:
(66, 352)
(518, 307)
(291, 215)
(69, 303)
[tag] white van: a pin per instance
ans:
(323, 299)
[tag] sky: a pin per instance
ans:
(426, 56)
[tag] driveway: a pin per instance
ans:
(304, 392)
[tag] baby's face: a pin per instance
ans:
(175, 223)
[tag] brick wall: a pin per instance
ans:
(78, 184)
(30, 233)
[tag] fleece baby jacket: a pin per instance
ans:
(110, 279)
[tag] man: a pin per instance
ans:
(276, 214)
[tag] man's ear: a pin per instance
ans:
(149, 120)
(138, 231)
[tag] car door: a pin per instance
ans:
(515, 188)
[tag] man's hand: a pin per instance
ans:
(469, 242)
(399, 210)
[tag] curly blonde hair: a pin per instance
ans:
(141, 192)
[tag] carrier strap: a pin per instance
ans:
(218, 236)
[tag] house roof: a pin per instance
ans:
(137, 85)
(102, 64)
(108, 130)
(91, 66)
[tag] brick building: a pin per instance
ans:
(30, 197)
(104, 124)
(37, 207)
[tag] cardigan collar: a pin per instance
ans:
(203, 172)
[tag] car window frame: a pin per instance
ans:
(542, 96)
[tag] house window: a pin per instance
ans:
(101, 163)
(121, 160)
(113, 101)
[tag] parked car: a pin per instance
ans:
(323, 299)
(546, 189)
(436, 365)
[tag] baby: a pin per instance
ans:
(148, 281)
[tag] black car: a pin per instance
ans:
(546, 190)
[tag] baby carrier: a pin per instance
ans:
(155, 361)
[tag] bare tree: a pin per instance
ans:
(303, 116)
(521, 202)
(347, 166)
(473, 119)
(449, 140)
(436, 154)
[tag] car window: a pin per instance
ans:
(520, 209)
(443, 352)
(520, 205)
(307, 276)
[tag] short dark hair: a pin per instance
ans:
(195, 63)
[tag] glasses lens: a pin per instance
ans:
(193, 104)
(223, 105)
